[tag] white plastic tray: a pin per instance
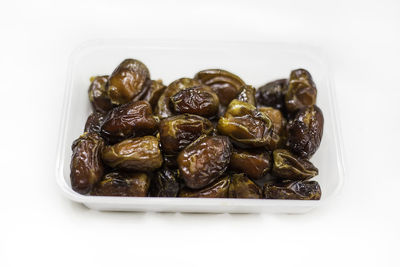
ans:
(255, 63)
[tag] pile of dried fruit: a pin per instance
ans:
(210, 136)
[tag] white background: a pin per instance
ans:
(361, 227)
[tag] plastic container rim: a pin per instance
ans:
(187, 44)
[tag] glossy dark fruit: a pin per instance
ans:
(120, 184)
(98, 95)
(170, 161)
(129, 120)
(247, 94)
(135, 154)
(212, 136)
(86, 165)
(221, 112)
(165, 183)
(272, 95)
(179, 131)
(93, 122)
(305, 131)
(128, 82)
(163, 108)
(254, 163)
(299, 190)
(279, 134)
(204, 160)
(246, 125)
(154, 91)
(218, 189)
(243, 187)
(301, 91)
(199, 100)
(288, 166)
(225, 84)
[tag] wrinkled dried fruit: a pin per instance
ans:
(93, 122)
(154, 91)
(279, 130)
(199, 100)
(305, 131)
(129, 120)
(225, 84)
(128, 82)
(247, 94)
(254, 163)
(86, 166)
(301, 90)
(165, 183)
(185, 148)
(134, 154)
(291, 167)
(177, 132)
(246, 125)
(243, 187)
(163, 109)
(120, 184)
(300, 190)
(98, 95)
(204, 160)
(272, 95)
(218, 189)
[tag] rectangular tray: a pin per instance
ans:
(255, 63)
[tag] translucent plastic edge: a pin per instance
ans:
(337, 130)
(312, 51)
